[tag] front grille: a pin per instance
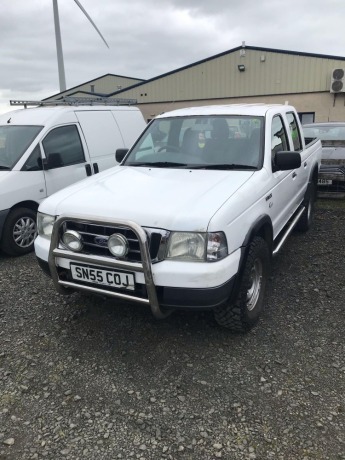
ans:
(95, 238)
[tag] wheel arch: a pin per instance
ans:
(261, 227)
(312, 182)
(33, 205)
(314, 174)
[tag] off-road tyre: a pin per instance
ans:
(243, 313)
(306, 220)
(19, 232)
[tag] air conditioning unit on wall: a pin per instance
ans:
(338, 81)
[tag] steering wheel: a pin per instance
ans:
(169, 147)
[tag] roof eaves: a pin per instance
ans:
(90, 81)
(224, 53)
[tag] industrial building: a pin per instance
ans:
(313, 83)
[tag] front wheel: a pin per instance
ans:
(243, 313)
(19, 232)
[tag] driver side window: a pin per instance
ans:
(295, 134)
(278, 137)
(65, 143)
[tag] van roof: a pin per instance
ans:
(43, 115)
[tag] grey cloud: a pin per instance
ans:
(151, 37)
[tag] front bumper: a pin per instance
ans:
(166, 284)
(172, 297)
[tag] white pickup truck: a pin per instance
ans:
(191, 217)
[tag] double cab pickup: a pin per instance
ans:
(192, 215)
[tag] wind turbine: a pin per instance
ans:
(61, 67)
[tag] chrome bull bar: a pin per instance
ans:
(144, 266)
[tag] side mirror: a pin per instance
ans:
(120, 154)
(52, 161)
(285, 161)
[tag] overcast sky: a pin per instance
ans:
(150, 37)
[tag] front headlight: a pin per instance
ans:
(197, 247)
(45, 224)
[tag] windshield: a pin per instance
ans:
(329, 132)
(212, 142)
(14, 140)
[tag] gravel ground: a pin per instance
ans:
(84, 378)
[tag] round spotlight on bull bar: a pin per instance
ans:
(118, 245)
(73, 240)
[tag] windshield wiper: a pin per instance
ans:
(7, 168)
(158, 164)
(224, 166)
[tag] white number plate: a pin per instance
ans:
(324, 181)
(121, 280)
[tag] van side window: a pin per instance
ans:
(295, 134)
(66, 142)
(34, 162)
(278, 136)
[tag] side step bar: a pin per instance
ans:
(287, 231)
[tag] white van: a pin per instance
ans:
(44, 149)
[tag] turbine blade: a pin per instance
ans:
(89, 18)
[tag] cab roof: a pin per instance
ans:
(231, 109)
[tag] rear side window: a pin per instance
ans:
(295, 134)
(66, 143)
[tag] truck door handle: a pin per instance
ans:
(305, 164)
(95, 168)
(294, 175)
(88, 170)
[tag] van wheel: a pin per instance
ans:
(306, 220)
(242, 314)
(19, 232)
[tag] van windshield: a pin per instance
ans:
(201, 142)
(14, 140)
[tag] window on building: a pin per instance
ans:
(306, 117)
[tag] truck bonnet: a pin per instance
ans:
(174, 199)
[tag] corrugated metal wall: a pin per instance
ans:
(265, 73)
(269, 76)
(322, 104)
